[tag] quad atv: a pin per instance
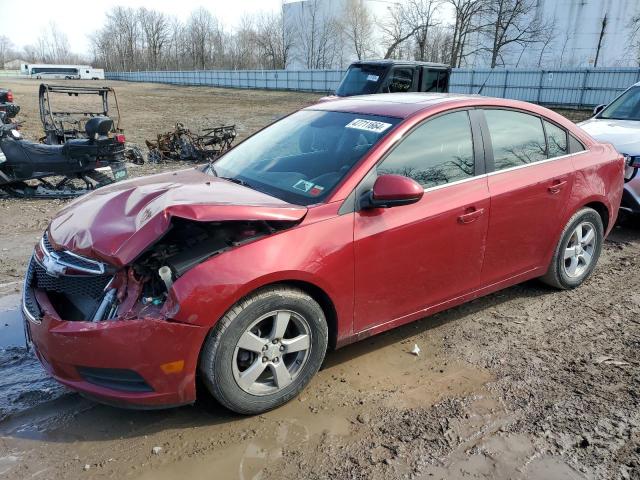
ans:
(34, 170)
(65, 124)
(7, 105)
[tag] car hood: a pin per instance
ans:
(623, 134)
(117, 223)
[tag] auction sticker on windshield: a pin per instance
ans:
(303, 185)
(372, 78)
(368, 125)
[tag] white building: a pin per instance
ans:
(577, 26)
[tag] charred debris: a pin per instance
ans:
(184, 145)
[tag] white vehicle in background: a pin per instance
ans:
(89, 73)
(68, 72)
(46, 71)
(619, 124)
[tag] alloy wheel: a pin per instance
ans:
(578, 253)
(271, 352)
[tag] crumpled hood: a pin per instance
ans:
(624, 135)
(117, 223)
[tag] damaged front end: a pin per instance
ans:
(82, 289)
(109, 332)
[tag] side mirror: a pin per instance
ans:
(392, 191)
(598, 109)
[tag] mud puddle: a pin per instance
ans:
(23, 382)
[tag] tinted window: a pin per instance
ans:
(517, 138)
(556, 140)
(439, 151)
(401, 80)
(302, 157)
(434, 80)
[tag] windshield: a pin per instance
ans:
(301, 158)
(625, 107)
(360, 80)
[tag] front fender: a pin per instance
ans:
(319, 253)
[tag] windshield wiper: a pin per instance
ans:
(238, 181)
(210, 169)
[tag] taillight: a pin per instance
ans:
(9, 96)
(120, 138)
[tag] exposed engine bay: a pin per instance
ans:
(82, 289)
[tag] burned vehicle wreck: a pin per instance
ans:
(33, 170)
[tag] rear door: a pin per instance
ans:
(530, 180)
(411, 257)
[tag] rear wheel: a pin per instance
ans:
(264, 350)
(577, 252)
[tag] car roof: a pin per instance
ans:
(401, 105)
(387, 62)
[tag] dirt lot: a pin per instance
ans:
(526, 383)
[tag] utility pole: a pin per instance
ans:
(604, 26)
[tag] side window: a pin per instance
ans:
(575, 145)
(556, 140)
(437, 152)
(401, 80)
(517, 138)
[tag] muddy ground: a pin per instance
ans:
(526, 383)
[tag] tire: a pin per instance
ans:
(568, 270)
(228, 369)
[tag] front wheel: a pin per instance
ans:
(577, 252)
(264, 350)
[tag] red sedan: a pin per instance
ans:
(337, 222)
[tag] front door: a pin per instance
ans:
(411, 257)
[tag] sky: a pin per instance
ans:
(78, 19)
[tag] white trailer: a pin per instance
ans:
(89, 73)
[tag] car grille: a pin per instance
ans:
(29, 303)
(73, 260)
(91, 286)
(74, 297)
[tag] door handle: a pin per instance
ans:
(471, 216)
(556, 186)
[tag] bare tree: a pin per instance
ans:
(396, 30)
(357, 25)
(634, 26)
(155, 30)
(467, 21)
(421, 16)
(318, 35)
(512, 22)
(274, 40)
(52, 46)
(6, 48)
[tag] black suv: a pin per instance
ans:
(388, 76)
